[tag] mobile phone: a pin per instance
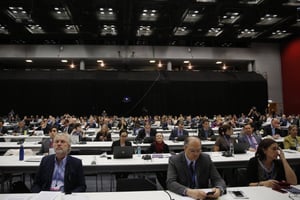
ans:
(237, 193)
(279, 190)
(210, 193)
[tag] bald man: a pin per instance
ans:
(191, 170)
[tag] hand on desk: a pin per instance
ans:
(269, 183)
(200, 194)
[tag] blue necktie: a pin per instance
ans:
(192, 174)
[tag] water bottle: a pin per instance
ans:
(139, 150)
(231, 148)
(297, 145)
(21, 152)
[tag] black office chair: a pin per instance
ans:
(135, 184)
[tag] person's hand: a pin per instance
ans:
(281, 154)
(251, 149)
(196, 194)
(269, 183)
(276, 136)
(216, 193)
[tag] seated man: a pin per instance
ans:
(249, 138)
(147, 133)
(59, 171)
(273, 129)
(191, 170)
(179, 133)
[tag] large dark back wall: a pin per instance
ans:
(132, 93)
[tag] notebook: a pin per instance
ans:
(123, 152)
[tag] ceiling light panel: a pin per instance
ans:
(181, 31)
(214, 32)
(279, 34)
(230, 17)
(71, 29)
(106, 14)
(108, 30)
(269, 19)
(3, 30)
(35, 29)
(149, 15)
(247, 33)
(60, 13)
(144, 31)
(251, 2)
(18, 14)
(192, 16)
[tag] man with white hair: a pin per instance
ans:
(60, 171)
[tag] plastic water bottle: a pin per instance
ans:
(231, 148)
(297, 145)
(139, 150)
(21, 152)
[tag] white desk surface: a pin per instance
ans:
(135, 164)
(253, 193)
(98, 146)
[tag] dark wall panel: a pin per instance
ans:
(146, 92)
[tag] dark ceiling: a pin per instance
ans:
(203, 23)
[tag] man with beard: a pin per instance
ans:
(60, 171)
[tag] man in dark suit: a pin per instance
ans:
(147, 133)
(249, 138)
(179, 133)
(273, 129)
(60, 172)
(205, 132)
(191, 170)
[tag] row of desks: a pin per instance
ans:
(107, 164)
(251, 193)
(97, 147)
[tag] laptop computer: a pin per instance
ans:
(123, 152)
(240, 148)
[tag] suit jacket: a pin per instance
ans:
(268, 131)
(74, 178)
(174, 134)
(117, 143)
(142, 134)
(202, 136)
(179, 178)
(244, 139)
(45, 146)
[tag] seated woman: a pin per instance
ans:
(265, 169)
(158, 146)
(121, 142)
(224, 140)
(103, 134)
(292, 141)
